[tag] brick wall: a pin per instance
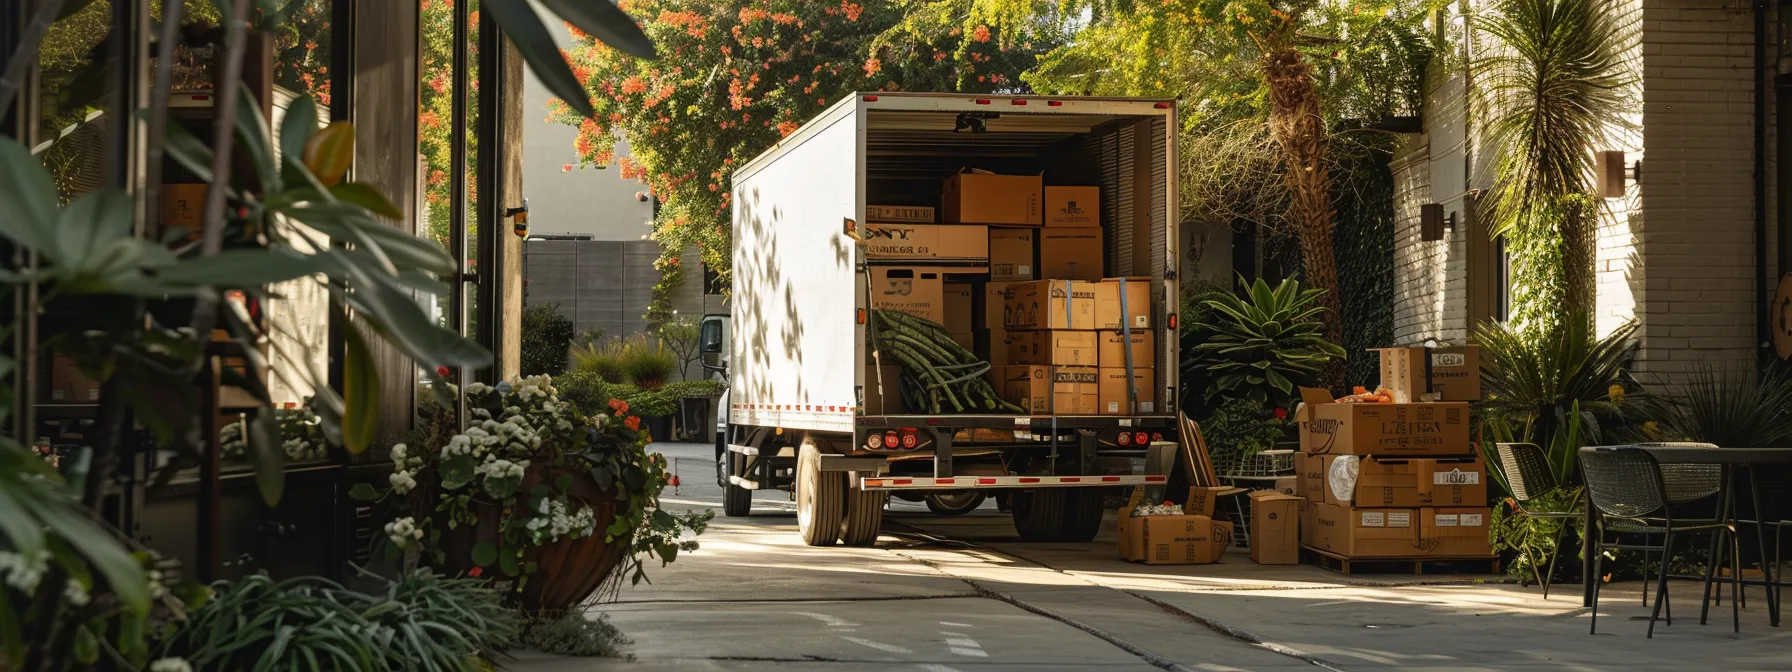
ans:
(1696, 298)
(1429, 277)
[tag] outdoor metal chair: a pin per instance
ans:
(1685, 483)
(1628, 490)
(1529, 476)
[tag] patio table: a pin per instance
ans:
(1730, 459)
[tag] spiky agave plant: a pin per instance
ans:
(1264, 343)
(1551, 89)
(1734, 406)
(1544, 387)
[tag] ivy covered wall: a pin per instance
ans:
(1363, 195)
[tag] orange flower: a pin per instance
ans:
(619, 406)
(980, 33)
(633, 422)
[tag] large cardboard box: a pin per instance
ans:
(1415, 374)
(1309, 475)
(1011, 253)
(916, 290)
(1114, 399)
(69, 386)
(1385, 430)
(1455, 531)
(1405, 482)
(995, 349)
(1073, 206)
(884, 399)
(1052, 390)
(1070, 253)
(1204, 500)
(959, 318)
(1113, 348)
(1051, 304)
(1130, 536)
(1136, 291)
(1275, 528)
(903, 214)
(956, 242)
(1056, 348)
(1308, 528)
(1184, 540)
(995, 305)
(982, 197)
(1287, 485)
(1366, 533)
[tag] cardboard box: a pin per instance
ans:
(1052, 390)
(1307, 527)
(1011, 253)
(1138, 303)
(1415, 374)
(889, 401)
(1071, 253)
(1385, 430)
(982, 197)
(1113, 391)
(1073, 206)
(1184, 540)
(1309, 475)
(1113, 351)
(957, 242)
(966, 339)
(68, 385)
(1366, 533)
(917, 290)
(904, 214)
(995, 350)
(1455, 531)
(1204, 500)
(1131, 536)
(183, 207)
(1287, 485)
(1056, 348)
(957, 307)
(995, 306)
(1050, 304)
(1405, 482)
(1275, 528)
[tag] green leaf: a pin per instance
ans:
(252, 136)
(244, 268)
(329, 153)
(104, 552)
(602, 20)
(485, 553)
(88, 225)
(23, 533)
(525, 30)
(507, 563)
(363, 492)
(360, 393)
(267, 456)
(348, 223)
(87, 645)
(12, 637)
(366, 196)
(28, 198)
(297, 127)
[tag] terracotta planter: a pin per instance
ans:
(567, 571)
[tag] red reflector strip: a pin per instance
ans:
(902, 481)
(1156, 479)
(1017, 101)
(1029, 480)
(1110, 479)
(1162, 106)
(986, 481)
(1071, 479)
(982, 101)
(944, 481)
(870, 99)
(1054, 103)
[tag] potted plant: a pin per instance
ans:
(550, 502)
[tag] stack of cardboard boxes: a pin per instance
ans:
(1014, 271)
(1399, 480)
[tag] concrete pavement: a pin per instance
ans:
(963, 593)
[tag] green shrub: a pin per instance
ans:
(647, 362)
(1734, 407)
(1240, 428)
(547, 335)
(575, 634)
(603, 360)
(694, 389)
(591, 394)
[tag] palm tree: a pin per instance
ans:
(1551, 88)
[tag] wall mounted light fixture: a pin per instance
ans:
(1433, 220)
(1608, 169)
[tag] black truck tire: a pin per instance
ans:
(864, 516)
(1083, 508)
(820, 498)
(1038, 514)
(737, 502)
(955, 503)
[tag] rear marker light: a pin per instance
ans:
(1017, 101)
(1161, 106)
(891, 440)
(861, 316)
(870, 99)
(982, 101)
(1054, 103)
(1140, 438)
(1125, 439)
(1157, 436)
(1172, 321)
(875, 441)
(909, 441)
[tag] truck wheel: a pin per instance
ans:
(737, 502)
(820, 498)
(954, 503)
(864, 516)
(1083, 508)
(1038, 514)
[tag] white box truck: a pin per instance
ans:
(805, 412)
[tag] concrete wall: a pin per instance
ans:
(598, 284)
(580, 200)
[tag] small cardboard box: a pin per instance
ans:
(1366, 533)
(1114, 400)
(1309, 475)
(1052, 390)
(982, 197)
(1050, 304)
(1455, 531)
(1405, 483)
(183, 207)
(957, 306)
(1113, 349)
(1204, 500)
(1287, 485)
(1386, 430)
(1056, 348)
(995, 305)
(1073, 206)
(1011, 253)
(957, 242)
(68, 385)
(1414, 374)
(1131, 535)
(1137, 292)
(916, 290)
(1275, 528)
(902, 214)
(1184, 540)
(1070, 253)
(884, 399)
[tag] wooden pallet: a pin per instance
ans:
(1461, 564)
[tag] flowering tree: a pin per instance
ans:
(436, 111)
(737, 75)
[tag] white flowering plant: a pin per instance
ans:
(528, 471)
